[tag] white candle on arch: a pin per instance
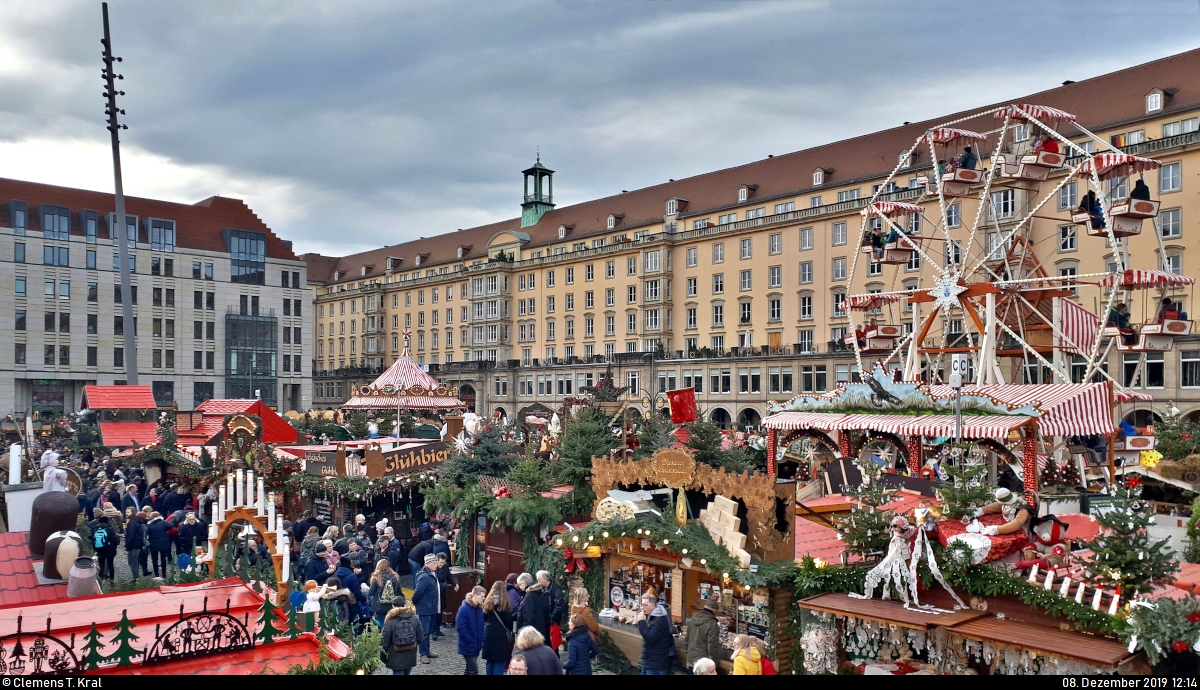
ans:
(239, 488)
(260, 498)
(271, 508)
(249, 487)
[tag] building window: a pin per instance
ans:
(806, 239)
(745, 280)
(718, 252)
(718, 283)
(747, 248)
(1174, 263)
(631, 266)
(1067, 238)
(691, 317)
(806, 310)
(874, 269)
(775, 275)
(248, 256)
(818, 178)
(805, 336)
(1170, 177)
(1153, 102)
(786, 207)
(162, 235)
(848, 195)
(775, 243)
(726, 218)
(744, 316)
(839, 234)
(1067, 197)
(1189, 369)
(718, 315)
(631, 323)
(839, 301)
(1003, 204)
(1170, 222)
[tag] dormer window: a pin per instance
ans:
(562, 232)
(743, 194)
(393, 262)
(460, 252)
(1154, 101)
(613, 219)
(364, 269)
(905, 159)
(818, 177)
(418, 260)
(337, 275)
(671, 206)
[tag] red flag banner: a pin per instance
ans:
(683, 405)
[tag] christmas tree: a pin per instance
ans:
(1126, 558)
(268, 614)
(655, 432)
(1177, 438)
(965, 491)
(357, 425)
(1064, 476)
(124, 653)
(485, 454)
(587, 435)
(705, 439)
(93, 645)
(865, 530)
(604, 390)
(293, 625)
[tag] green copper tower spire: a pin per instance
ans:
(539, 193)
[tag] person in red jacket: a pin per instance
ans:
(1046, 143)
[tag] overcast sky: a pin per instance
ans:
(349, 125)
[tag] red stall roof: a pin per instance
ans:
(118, 398)
(276, 429)
(18, 582)
(123, 434)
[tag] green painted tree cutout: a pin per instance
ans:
(293, 626)
(93, 646)
(268, 614)
(125, 653)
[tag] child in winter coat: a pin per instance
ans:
(581, 648)
(470, 626)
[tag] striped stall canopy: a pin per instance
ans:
(1137, 279)
(1080, 327)
(1068, 409)
(874, 300)
(891, 209)
(1044, 113)
(973, 426)
(1109, 165)
(406, 385)
(1122, 395)
(947, 135)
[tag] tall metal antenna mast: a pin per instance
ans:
(120, 223)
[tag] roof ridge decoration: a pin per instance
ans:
(881, 392)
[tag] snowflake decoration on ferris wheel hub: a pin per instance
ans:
(946, 291)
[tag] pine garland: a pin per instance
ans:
(357, 488)
(692, 541)
(1162, 628)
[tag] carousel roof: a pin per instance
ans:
(404, 384)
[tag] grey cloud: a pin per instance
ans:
(402, 119)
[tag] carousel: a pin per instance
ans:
(405, 386)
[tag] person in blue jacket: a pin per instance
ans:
(581, 648)
(470, 626)
(427, 598)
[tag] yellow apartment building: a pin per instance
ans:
(734, 282)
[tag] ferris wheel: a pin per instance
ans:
(992, 297)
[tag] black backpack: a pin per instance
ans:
(404, 637)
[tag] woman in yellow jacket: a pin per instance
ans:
(747, 661)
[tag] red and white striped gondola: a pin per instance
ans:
(883, 239)
(1169, 322)
(1126, 214)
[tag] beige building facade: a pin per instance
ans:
(733, 282)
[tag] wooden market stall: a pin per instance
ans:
(749, 515)
(995, 636)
